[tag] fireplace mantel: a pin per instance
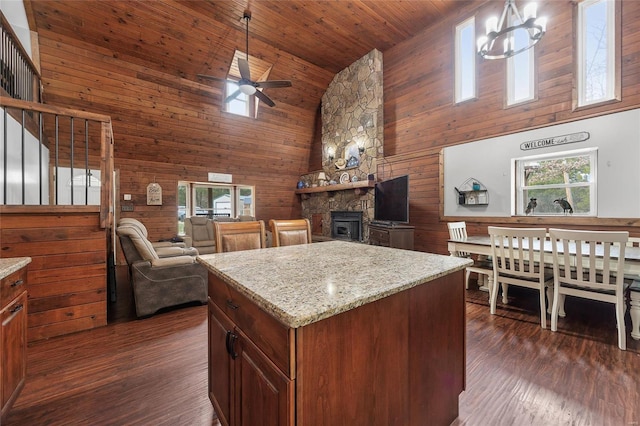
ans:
(358, 186)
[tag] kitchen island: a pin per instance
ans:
(336, 333)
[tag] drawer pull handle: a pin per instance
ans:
(17, 308)
(230, 343)
(17, 283)
(232, 305)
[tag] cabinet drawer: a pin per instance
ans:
(379, 237)
(12, 285)
(267, 333)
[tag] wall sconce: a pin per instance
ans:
(331, 152)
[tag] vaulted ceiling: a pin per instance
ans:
(328, 34)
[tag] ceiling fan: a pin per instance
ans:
(245, 84)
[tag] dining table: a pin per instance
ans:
(480, 245)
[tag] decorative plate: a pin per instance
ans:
(344, 177)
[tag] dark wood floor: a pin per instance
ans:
(153, 371)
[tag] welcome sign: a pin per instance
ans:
(553, 141)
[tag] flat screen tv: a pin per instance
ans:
(392, 200)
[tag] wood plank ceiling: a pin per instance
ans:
(328, 34)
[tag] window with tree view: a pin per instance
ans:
(557, 184)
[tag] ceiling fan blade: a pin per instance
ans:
(264, 98)
(243, 66)
(210, 77)
(274, 83)
(232, 96)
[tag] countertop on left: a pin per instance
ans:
(8, 265)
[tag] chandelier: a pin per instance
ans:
(499, 43)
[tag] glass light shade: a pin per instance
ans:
(492, 24)
(247, 89)
(543, 23)
(530, 11)
(331, 152)
(481, 41)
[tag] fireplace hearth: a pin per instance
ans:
(346, 225)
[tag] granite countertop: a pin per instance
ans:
(305, 283)
(8, 265)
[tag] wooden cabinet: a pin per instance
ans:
(246, 386)
(13, 338)
(396, 236)
(377, 364)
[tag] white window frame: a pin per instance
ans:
(520, 200)
(612, 79)
(513, 70)
(234, 200)
(465, 54)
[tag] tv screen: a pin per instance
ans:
(392, 200)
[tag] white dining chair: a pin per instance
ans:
(596, 271)
(518, 260)
(458, 231)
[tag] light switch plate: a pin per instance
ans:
(126, 207)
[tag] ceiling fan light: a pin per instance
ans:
(247, 89)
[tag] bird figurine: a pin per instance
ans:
(531, 206)
(566, 207)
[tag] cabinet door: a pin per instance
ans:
(14, 349)
(220, 367)
(265, 394)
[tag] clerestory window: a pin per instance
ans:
(598, 75)
(465, 61)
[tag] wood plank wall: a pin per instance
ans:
(420, 117)
(67, 278)
(168, 125)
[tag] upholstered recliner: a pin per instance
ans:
(160, 282)
(162, 248)
(200, 234)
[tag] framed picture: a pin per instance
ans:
(154, 194)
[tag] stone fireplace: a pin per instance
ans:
(352, 142)
(346, 225)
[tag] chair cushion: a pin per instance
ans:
(289, 238)
(237, 242)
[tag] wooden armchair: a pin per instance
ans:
(290, 232)
(236, 236)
